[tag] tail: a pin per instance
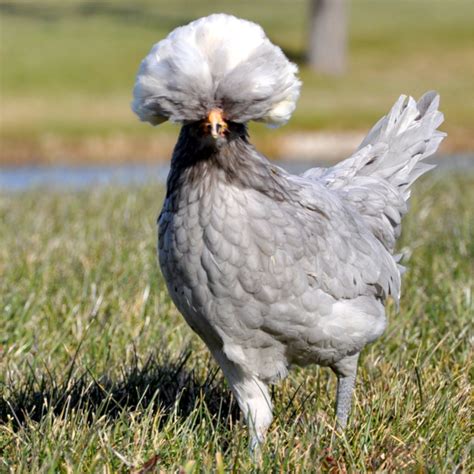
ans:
(410, 133)
(376, 179)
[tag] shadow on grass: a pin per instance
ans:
(158, 383)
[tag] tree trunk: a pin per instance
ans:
(328, 36)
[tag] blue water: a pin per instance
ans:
(79, 177)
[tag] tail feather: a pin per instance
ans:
(410, 133)
(376, 179)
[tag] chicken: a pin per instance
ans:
(268, 268)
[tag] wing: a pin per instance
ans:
(347, 259)
(320, 237)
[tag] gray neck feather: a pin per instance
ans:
(232, 160)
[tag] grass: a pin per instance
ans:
(69, 69)
(99, 373)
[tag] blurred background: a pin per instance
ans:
(68, 68)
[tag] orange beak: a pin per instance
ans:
(216, 124)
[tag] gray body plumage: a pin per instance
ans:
(275, 269)
(272, 269)
(269, 268)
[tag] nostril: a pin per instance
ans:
(218, 127)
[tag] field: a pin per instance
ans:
(99, 373)
(69, 67)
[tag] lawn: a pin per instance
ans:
(68, 68)
(99, 373)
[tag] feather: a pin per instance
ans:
(387, 163)
(272, 269)
(217, 61)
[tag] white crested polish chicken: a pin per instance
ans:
(268, 268)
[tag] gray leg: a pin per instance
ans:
(346, 370)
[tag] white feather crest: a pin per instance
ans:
(216, 61)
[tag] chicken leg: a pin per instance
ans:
(253, 398)
(346, 370)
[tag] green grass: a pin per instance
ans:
(99, 373)
(69, 67)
